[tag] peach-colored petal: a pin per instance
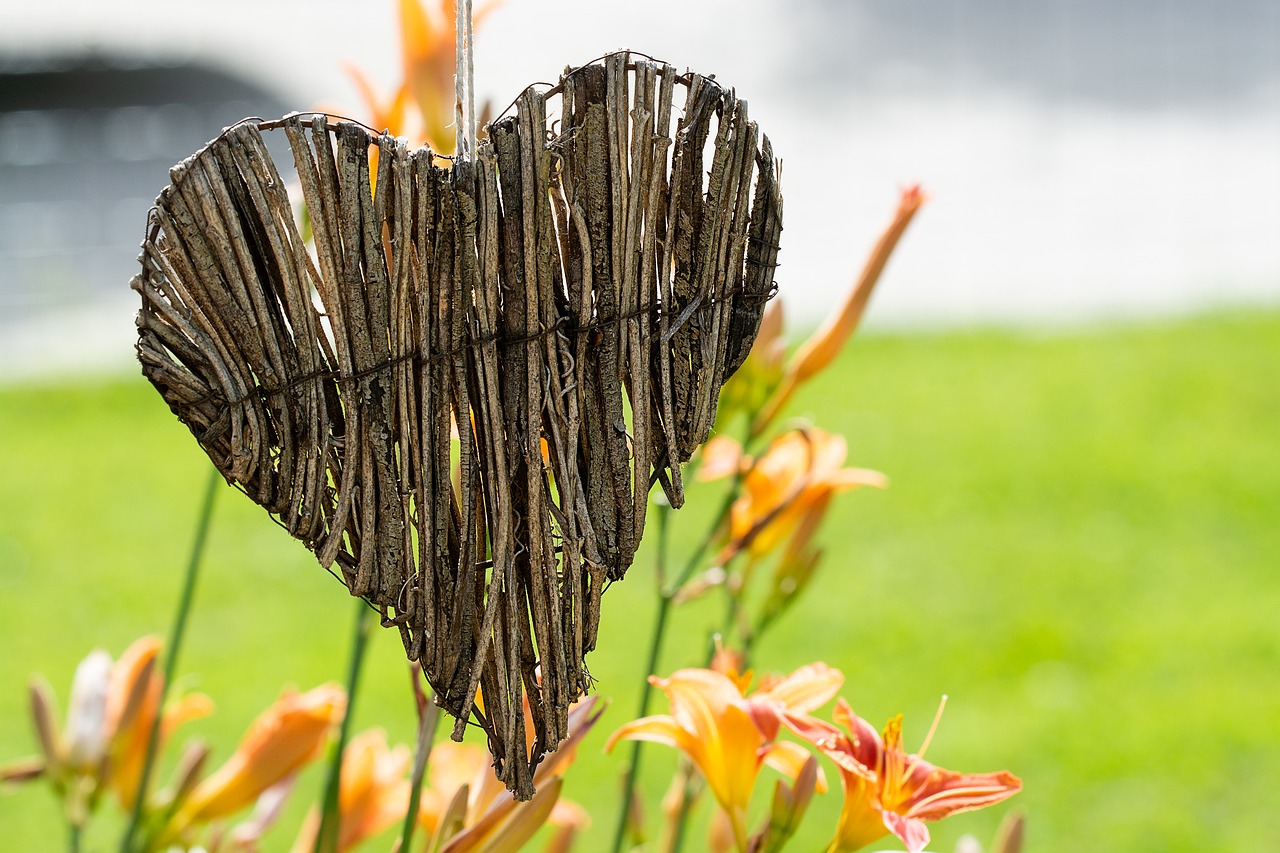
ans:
(134, 683)
(852, 478)
(373, 792)
(508, 830)
(728, 732)
(944, 792)
(130, 744)
(787, 489)
(807, 689)
(721, 457)
(707, 705)
(453, 767)
(910, 831)
(448, 820)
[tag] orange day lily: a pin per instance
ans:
(466, 808)
(787, 489)
(104, 740)
(428, 47)
(888, 791)
(728, 735)
(373, 792)
(824, 345)
(286, 736)
(135, 675)
(383, 113)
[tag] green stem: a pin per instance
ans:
(428, 717)
(327, 835)
(174, 645)
(655, 647)
(666, 597)
(73, 841)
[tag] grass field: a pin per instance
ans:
(1081, 546)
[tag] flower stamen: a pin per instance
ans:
(937, 718)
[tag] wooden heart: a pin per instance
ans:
(463, 389)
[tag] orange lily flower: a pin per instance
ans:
(466, 808)
(451, 767)
(888, 791)
(428, 46)
(787, 489)
(286, 736)
(134, 675)
(384, 113)
(820, 350)
(108, 723)
(729, 735)
(373, 792)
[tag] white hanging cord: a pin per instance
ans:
(464, 109)
(471, 84)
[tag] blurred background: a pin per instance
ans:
(1088, 159)
(1070, 376)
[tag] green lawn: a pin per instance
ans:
(1081, 546)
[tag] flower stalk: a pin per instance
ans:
(428, 718)
(327, 836)
(667, 595)
(185, 599)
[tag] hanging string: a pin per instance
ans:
(464, 110)
(471, 81)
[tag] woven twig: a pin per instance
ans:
(462, 393)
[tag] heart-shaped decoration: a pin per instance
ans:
(462, 389)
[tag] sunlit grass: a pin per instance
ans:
(1080, 546)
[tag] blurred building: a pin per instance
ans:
(86, 143)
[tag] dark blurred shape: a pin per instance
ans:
(1128, 53)
(85, 146)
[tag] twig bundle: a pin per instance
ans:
(464, 392)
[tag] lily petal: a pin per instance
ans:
(507, 831)
(658, 729)
(910, 831)
(807, 689)
(948, 793)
